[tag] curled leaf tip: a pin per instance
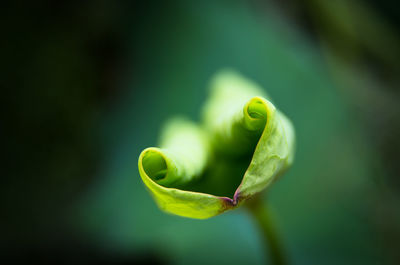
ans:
(242, 145)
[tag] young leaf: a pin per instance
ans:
(243, 144)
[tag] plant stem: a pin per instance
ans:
(261, 214)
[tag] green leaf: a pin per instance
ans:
(243, 144)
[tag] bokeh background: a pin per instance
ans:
(86, 85)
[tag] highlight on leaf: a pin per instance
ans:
(241, 146)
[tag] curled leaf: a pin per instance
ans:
(243, 144)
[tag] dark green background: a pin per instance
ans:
(88, 86)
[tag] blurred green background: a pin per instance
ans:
(88, 85)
